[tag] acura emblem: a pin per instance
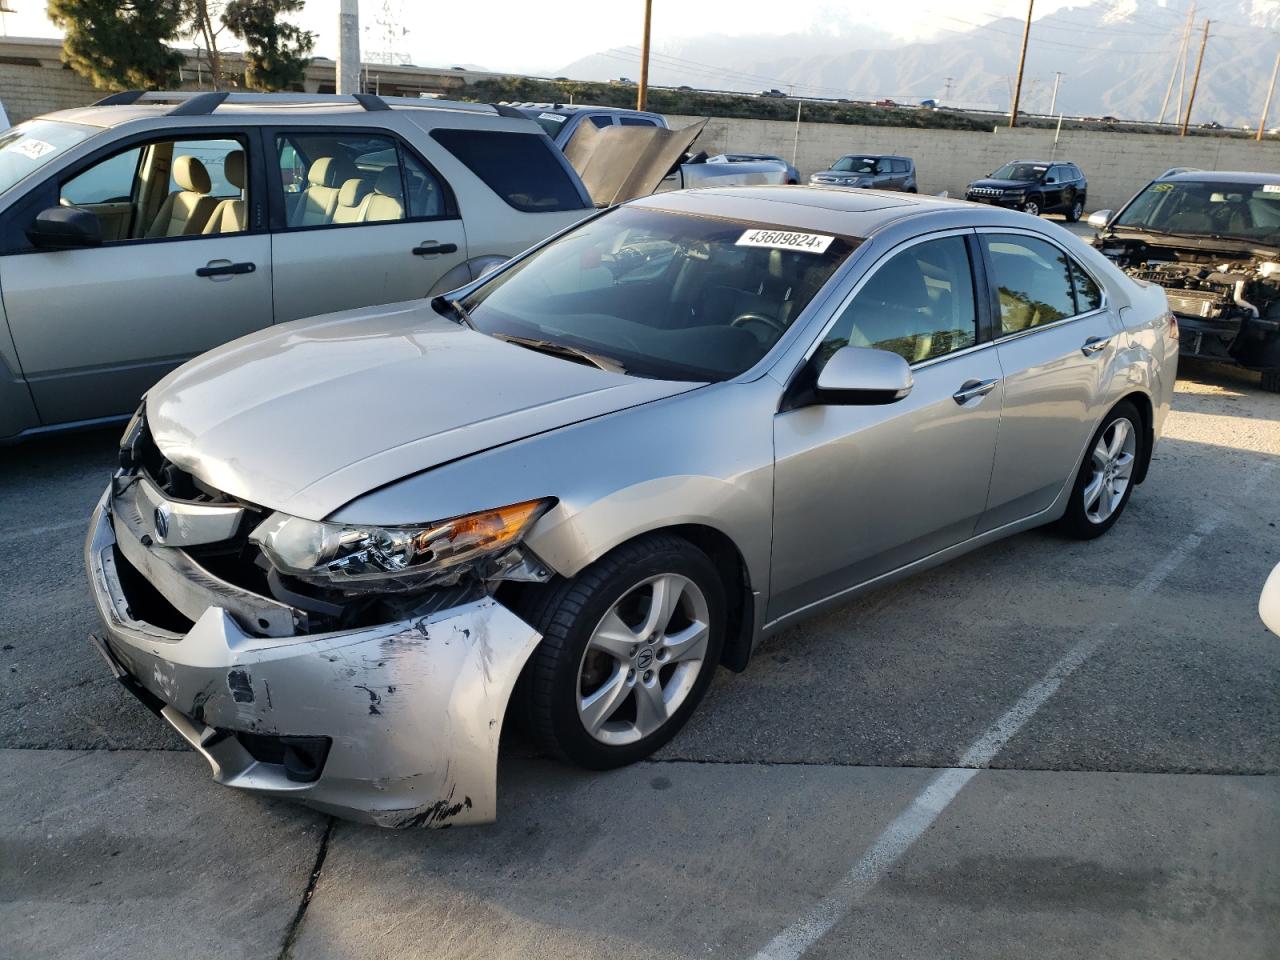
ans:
(162, 522)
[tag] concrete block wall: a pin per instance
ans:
(29, 91)
(1116, 164)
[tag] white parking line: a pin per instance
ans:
(898, 837)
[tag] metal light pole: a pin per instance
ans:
(1195, 81)
(1022, 62)
(1053, 103)
(1266, 107)
(347, 67)
(642, 93)
(1177, 63)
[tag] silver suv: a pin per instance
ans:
(148, 228)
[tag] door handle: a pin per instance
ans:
(1094, 345)
(430, 249)
(224, 268)
(973, 388)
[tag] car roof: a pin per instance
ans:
(570, 108)
(1224, 176)
(1047, 163)
(852, 213)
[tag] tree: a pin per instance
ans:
(206, 25)
(276, 53)
(121, 44)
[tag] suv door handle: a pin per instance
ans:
(430, 248)
(973, 388)
(1094, 345)
(224, 268)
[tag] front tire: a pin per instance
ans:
(1032, 206)
(629, 647)
(1105, 481)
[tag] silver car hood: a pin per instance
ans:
(307, 416)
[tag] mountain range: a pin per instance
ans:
(1116, 58)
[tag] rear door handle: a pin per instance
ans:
(973, 388)
(1094, 345)
(430, 248)
(224, 268)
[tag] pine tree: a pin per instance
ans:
(276, 51)
(121, 44)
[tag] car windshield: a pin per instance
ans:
(1232, 211)
(1020, 171)
(857, 165)
(29, 146)
(664, 295)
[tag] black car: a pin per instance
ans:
(1212, 241)
(1034, 186)
(869, 170)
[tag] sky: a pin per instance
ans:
(510, 37)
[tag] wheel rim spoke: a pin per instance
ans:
(689, 644)
(1093, 491)
(651, 707)
(597, 707)
(1120, 433)
(614, 637)
(666, 593)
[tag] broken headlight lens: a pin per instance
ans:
(346, 553)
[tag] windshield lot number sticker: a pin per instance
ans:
(1271, 188)
(784, 240)
(553, 117)
(32, 149)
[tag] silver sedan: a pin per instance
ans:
(340, 553)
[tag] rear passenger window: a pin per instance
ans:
(637, 122)
(522, 168)
(1033, 279)
(349, 179)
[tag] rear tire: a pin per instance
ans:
(1106, 478)
(614, 679)
(1076, 211)
(1271, 381)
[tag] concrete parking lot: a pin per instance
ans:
(1048, 749)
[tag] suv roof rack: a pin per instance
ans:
(200, 103)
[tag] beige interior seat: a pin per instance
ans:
(229, 216)
(186, 210)
(319, 199)
(385, 203)
(352, 200)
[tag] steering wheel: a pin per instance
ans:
(772, 323)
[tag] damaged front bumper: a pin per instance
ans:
(395, 725)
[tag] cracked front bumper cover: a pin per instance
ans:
(413, 710)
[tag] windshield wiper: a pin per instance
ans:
(440, 305)
(563, 350)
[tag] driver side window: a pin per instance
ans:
(919, 305)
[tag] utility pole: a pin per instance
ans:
(642, 93)
(347, 68)
(1053, 103)
(1178, 62)
(946, 88)
(1195, 81)
(1266, 107)
(1022, 62)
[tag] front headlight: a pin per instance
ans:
(351, 553)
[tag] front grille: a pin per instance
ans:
(986, 192)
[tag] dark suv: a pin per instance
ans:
(868, 170)
(1034, 186)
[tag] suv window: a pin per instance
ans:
(899, 166)
(637, 122)
(353, 178)
(164, 189)
(920, 304)
(1037, 283)
(601, 119)
(524, 169)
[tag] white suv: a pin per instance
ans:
(147, 228)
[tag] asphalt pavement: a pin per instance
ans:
(1046, 748)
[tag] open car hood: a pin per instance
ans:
(621, 163)
(310, 415)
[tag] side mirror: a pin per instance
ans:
(1269, 603)
(862, 375)
(65, 228)
(1099, 219)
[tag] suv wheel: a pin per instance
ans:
(629, 647)
(1076, 211)
(1105, 481)
(1032, 206)
(1271, 381)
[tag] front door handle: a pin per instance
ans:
(224, 268)
(431, 248)
(973, 388)
(1094, 345)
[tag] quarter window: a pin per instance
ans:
(524, 169)
(919, 305)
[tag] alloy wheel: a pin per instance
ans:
(1113, 458)
(1032, 208)
(1077, 210)
(643, 659)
